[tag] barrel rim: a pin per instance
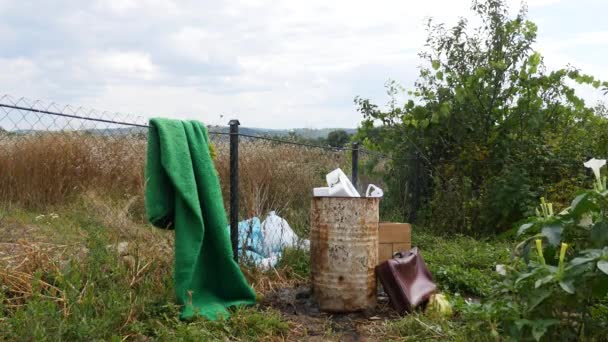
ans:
(345, 198)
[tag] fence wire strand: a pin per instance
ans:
(50, 154)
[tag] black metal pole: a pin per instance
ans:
(355, 175)
(234, 187)
(416, 185)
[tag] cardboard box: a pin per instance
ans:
(393, 237)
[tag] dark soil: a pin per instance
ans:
(309, 323)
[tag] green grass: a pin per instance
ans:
(99, 294)
(296, 262)
(462, 264)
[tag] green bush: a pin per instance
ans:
(482, 133)
(553, 289)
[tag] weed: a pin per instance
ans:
(461, 264)
(295, 263)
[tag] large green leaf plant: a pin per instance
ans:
(557, 283)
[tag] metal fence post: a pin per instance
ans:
(416, 189)
(234, 187)
(355, 175)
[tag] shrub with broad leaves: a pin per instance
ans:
(557, 282)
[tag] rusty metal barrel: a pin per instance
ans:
(344, 252)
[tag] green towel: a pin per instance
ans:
(183, 193)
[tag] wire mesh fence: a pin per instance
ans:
(52, 154)
(49, 152)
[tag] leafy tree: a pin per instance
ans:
(487, 128)
(338, 138)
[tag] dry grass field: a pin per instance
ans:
(54, 168)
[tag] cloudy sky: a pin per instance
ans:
(276, 64)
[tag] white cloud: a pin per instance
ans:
(270, 63)
(592, 38)
(122, 7)
(576, 40)
(17, 70)
(119, 6)
(134, 65)
(194, 43)
(537, 3)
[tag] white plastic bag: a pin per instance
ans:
(277, 234)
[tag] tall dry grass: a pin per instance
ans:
(51, 168)
(278, 177)
(56, 168)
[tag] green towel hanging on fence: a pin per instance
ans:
(183, 193)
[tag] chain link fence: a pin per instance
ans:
(51, 154)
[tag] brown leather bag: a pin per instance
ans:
(406, 280)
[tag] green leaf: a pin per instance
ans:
(578, 200)
(580, 261)
(582, 204)
(523, 75)
(539, 327)
(574, 272)
(553, 234)
(567, 285)
(435, 118)
(524, 277)
(435, 64)
(459, 95)
(603, 266)
(542, 281)
(593, 253)
(538, 298)
(534, 62)
(520, 323)
(444, 109)
(522, 229)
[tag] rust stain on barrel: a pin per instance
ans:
(343, 247)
